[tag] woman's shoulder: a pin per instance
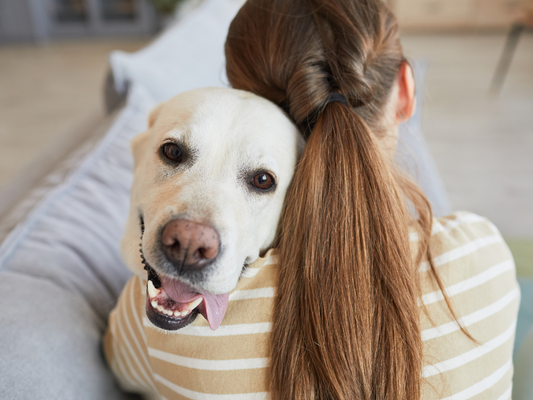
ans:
(478, 273)
(468, 251)
(465, 235)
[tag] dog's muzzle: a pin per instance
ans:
(189, 246)
(171, 303)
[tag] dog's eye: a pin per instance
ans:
(172, 152)
(263, 181)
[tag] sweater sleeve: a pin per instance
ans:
(125, 345)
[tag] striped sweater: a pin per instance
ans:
(230, 363)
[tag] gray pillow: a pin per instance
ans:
(61, 273)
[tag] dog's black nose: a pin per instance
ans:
(190, 245)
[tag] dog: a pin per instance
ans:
(210, 177)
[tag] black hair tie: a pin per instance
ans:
(336, 98)
(311, 120)
(332, 98)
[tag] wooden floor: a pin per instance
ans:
(46, 90)
(483, 146)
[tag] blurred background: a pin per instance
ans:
(478, 123)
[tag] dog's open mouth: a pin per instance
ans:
(172, 304)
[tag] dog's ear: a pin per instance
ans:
(140, 143)
(139, 147)
(154, 114)
(129, 248)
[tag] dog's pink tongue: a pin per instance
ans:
(213, 307)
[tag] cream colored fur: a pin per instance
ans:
(231, 133)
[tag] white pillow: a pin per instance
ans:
(188, 55)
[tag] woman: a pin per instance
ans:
(347, 323)
(359, 311)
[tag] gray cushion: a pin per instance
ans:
(61, 273)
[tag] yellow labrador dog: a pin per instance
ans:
(210, 176)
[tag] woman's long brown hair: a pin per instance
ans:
(346, 320)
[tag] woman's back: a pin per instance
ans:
(479, 274)
(472, 259)
(347, 320)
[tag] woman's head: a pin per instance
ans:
(296, 53)
(346, 319)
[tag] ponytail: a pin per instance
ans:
(346, 312)
(346, 319)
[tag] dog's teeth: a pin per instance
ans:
(193, 304)
(184, 313)
(152, 291)
(177, 314)
(154, 304)
(168, 312)
(160, 308)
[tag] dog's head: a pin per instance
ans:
(210, 177)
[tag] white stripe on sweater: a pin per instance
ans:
(471, 355)
(253, 293)
(462, 251)
(132, 375)
(146, 368)
(223, 330)
(450, 225)
(470, 283)
(210, 365)
(132, 358)
(507, 394)
(206, 396)
(118, 361)
(472, 318)
(251, 272)
(484, 384)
